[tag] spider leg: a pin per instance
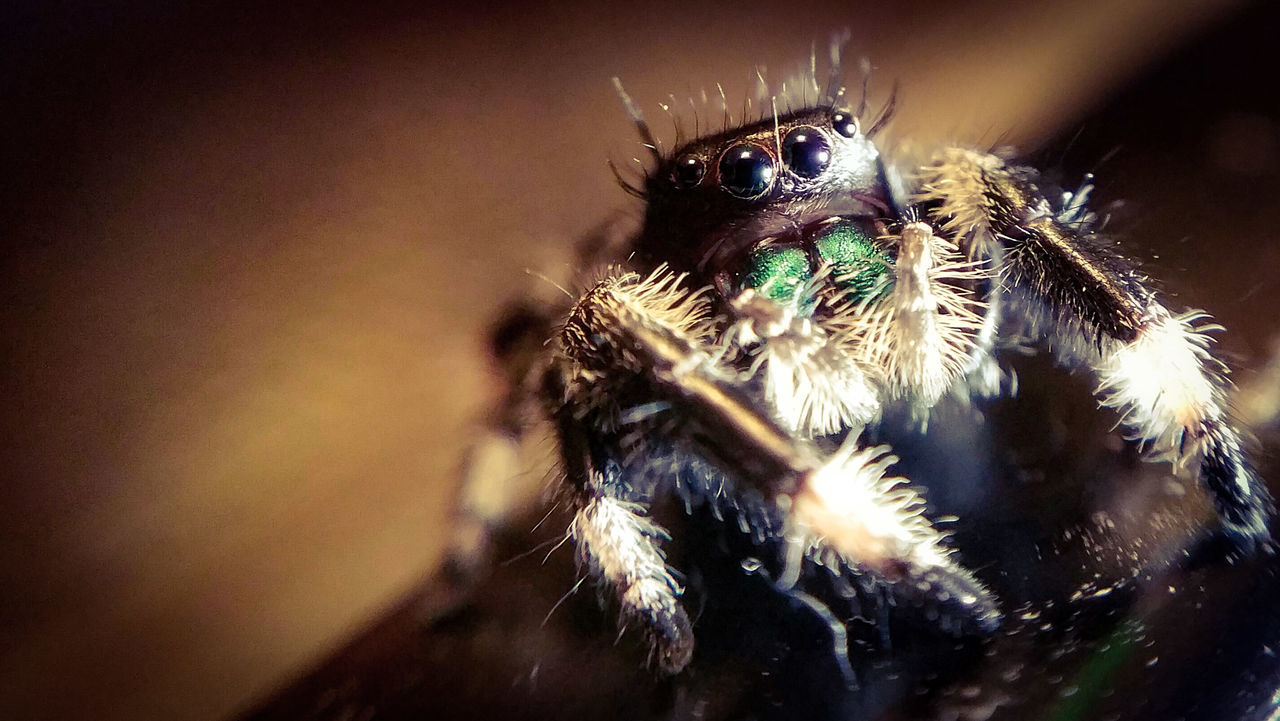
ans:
(1093, 307)
(498, 476)
(618, 545)
(634, 342)
(503, 467)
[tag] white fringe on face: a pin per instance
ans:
(811, 382)
(1165, 383)
(924, 332)
(851, 509)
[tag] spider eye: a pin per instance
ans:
(806, 151)
(746, 171)
(688, 171)
(844, 123)
(777, 272)
(858, 264)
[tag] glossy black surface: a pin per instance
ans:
(806, 152)
(688, 171)
(844, 123)
(746, 171)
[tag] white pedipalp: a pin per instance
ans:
(920, 350)
(925, 331)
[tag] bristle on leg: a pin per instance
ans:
(618, 546)
(851, 513)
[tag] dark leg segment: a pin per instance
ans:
(1089, 304)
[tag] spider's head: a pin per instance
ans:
(766, 206)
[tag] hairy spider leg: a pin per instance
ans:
(504, 466)
(1093, 308)
(634, 342)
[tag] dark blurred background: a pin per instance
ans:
(250, 251)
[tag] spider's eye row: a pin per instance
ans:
(806, 151)
(746, 171)
(845, 123)
(688, 171)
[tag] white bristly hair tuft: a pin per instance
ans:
(659, 298)
(622, 550)
(923, 332)
(956, 180)
(617, 544)
(1165, 383)
(814, 385)
(850, 508)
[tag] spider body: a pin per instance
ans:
(786, 289)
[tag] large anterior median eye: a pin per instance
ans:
(806, 152)
(777, 272)
(858, 264)
(746, 171)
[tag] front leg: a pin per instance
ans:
(502, 471)
(1089, 304)
(503, 468)
(640, 368)
(617, 543)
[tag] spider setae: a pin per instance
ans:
(787, 289)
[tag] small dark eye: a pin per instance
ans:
(806, 151)
(844, 123)
(746, 171)
(688, 171)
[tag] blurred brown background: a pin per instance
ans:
(250, 252)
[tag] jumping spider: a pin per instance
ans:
(787, 288)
